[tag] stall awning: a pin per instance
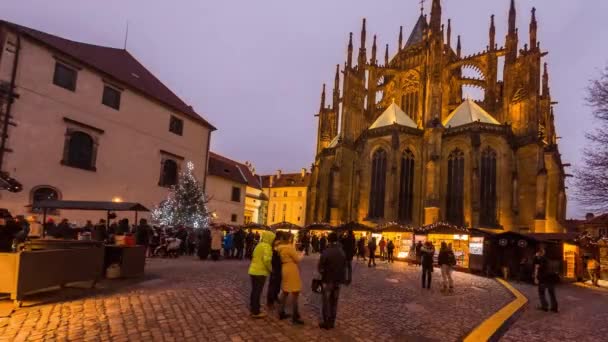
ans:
(88, 205)
(355, 226)
(285, 225)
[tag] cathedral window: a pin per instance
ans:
(455, 193)
(487, 215)
(406, 187)
(378, 184)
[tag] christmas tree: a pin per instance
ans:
(186, 204)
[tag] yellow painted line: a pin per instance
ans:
(490, 326)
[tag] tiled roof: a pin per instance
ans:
(227, 168)
(119, 64)
(287, 180)
(418, 32)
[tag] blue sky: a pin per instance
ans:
(255, 68)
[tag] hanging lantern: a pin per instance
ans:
(522, 243)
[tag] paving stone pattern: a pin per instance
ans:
(190, 300)
(583, 316)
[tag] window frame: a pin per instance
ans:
(234, 217)
(56, 79)
(68, 152)
(488, 194)
(113, 89)
(235, 191)
(163, 178)
(377, 193)
(455, 187)
(32, 199)
(172, 129)
(406, 186)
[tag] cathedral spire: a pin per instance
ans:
(492, 34)
(362, 51)
(512, 18)
(322, 107)
(336, 101)
(374, 51)
(545, 81)
(533, 29)
(400, 37)
(512, 36)
(436, 17)
(349, 55)
(458, 48)
(449, 42)
(386, 56)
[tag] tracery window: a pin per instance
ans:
(378, 184)
(406, 187)
(455, 191)
(487, 215)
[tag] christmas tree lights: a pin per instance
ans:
(186, 204)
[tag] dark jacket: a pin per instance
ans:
(239, 239)
(427, 256)
(142, 235)
(332, 264)
(446, 257)
(348, 246)
(371, 246)
(390, 246)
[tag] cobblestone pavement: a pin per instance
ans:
(190, 300)
(583, 316)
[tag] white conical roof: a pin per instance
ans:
(468, 112)
(393, 115)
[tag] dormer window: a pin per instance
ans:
(65, 76)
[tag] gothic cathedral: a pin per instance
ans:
(411, 149)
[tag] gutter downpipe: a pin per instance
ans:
(11, 96)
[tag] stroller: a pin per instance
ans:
(169, 247)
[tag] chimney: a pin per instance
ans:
(303, 172)
(271, 181)
(279, 174)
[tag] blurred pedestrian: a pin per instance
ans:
(331, 266)
(382, 247)
(546, 280)
(259, 269)
(216, 243)
(446, 261)
(348, 246)
(274, 283)
(291, 284)
(361, 248)
(371, 246)
(593, 267)
(427, 253)
(322, 243)
(390, 249)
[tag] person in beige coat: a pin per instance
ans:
(291, 284)
(216, 242)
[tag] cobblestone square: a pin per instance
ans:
(187, 299)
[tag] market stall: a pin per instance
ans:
(358, 229)
(401, 235)
(458, 236)
(286, 227)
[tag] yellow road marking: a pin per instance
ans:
(490, 326)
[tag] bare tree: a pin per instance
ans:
(592, 177)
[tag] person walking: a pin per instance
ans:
(315, 243)
(249, 244)
(274, 283)
(372, 252)
(306, 243)
(546, 280)
(419, 253)
(361, 248)
(348, 246)
(322, 243)
(390, 249)
(446, 261)
(228, 245)
(259, 269)
(426, 259)
(291, 284)
(382, 246)
(331, 267)
(142, 235)
(204, 243)
(239, 243)
(593, 267)
(216, 243)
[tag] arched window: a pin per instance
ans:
(455, 193)
(378, 184)
(80, 150)
(487, 215)
(406, 187)
(169, 173)
(41, 193)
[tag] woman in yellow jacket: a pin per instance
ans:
(291, 282)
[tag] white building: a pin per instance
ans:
(90, 123)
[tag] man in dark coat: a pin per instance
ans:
(315, 243)
(546, 279)
(204, 243)
(348, 246)
(361, 248)
(249, 244)
(142, 235)
(239, 243)
(322, 243)
(332, 266)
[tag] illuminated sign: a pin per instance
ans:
(476, 246)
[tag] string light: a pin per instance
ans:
(186, 204)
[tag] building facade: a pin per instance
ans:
(234, 191)
(287, 194)
(89, 122)
(411, 149)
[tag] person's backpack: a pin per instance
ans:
(451, 259)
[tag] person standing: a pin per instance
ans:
(204, 243)
(291, 284)
(274, 283)
(361, 248)
(593, 267)
(142, 235)
(216, 243)
(390, 249)
(322, 243)
(239, 243)
(446, 261)
(228, 245)
(372, 252)
(249, 244)
(348, 246)
(382, 245)
(419, 253)
(306, 243)
(426, 259)
(545, 279)
(331, 267)
(315, 243)
(259, 269)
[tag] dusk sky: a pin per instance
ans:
(255, 68)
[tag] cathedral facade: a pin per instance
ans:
(400, 143)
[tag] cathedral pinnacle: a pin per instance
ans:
(458, 48)
(512, 18)
(449, 42)
(349, 56)
(533, 29)
(400, 37)
(386, 56)
(436, 17)
(374, 48)
(492, 34)
(322, 107)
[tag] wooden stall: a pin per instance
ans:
(401, 235)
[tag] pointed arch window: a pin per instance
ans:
(406, 187)
(455, 193)
(378, 184)
(488, 198)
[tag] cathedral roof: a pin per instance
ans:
(418, 32)
(393, 115)
(468, 112)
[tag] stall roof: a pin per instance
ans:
(354, 226)
(285, 225)
(89, 205)
(554, 236)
